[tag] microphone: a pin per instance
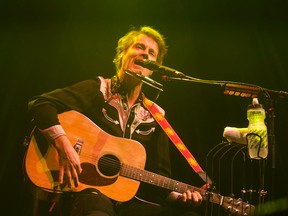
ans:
(154, 66)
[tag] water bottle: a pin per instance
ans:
(257, 131)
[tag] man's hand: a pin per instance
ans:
(69, 162)
(191, 198)
(188, 198)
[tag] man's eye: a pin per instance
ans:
(139, 46)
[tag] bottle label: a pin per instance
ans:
(257, 143)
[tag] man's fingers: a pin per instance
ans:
(75, 177)
(191, 198)
(197, 197)
(79, 169)
(68, 176)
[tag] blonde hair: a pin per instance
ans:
(128, 39)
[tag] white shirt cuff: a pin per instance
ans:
(53, 132)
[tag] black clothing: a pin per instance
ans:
(109, 110)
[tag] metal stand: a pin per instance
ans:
(246, 90)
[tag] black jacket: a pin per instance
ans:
(95, 100)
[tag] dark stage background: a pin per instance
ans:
(50, 44)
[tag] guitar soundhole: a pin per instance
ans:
(109, 165)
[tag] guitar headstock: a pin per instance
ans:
(237, 206)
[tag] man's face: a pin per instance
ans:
(144, 47)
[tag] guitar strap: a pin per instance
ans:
(175, 139)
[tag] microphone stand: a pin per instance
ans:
(247, 90)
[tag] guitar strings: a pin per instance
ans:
(114, 165)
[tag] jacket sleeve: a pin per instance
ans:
(82, 97)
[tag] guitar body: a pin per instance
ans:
(98, 151)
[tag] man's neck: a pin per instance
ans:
(133, 94)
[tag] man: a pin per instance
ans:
(116, 106)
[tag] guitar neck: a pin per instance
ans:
(165, 182)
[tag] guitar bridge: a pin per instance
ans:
(78, 145)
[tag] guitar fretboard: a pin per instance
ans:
(165, 182)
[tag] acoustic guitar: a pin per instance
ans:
(112, 165)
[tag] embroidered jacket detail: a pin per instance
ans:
(104, 111)
(145, 132)
(129, 119)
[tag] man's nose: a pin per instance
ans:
(145, 55)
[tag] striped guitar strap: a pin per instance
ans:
(175, 139)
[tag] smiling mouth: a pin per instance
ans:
(139, 67)
(139, 62)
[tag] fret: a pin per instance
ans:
(152, 178)
(164, 182)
